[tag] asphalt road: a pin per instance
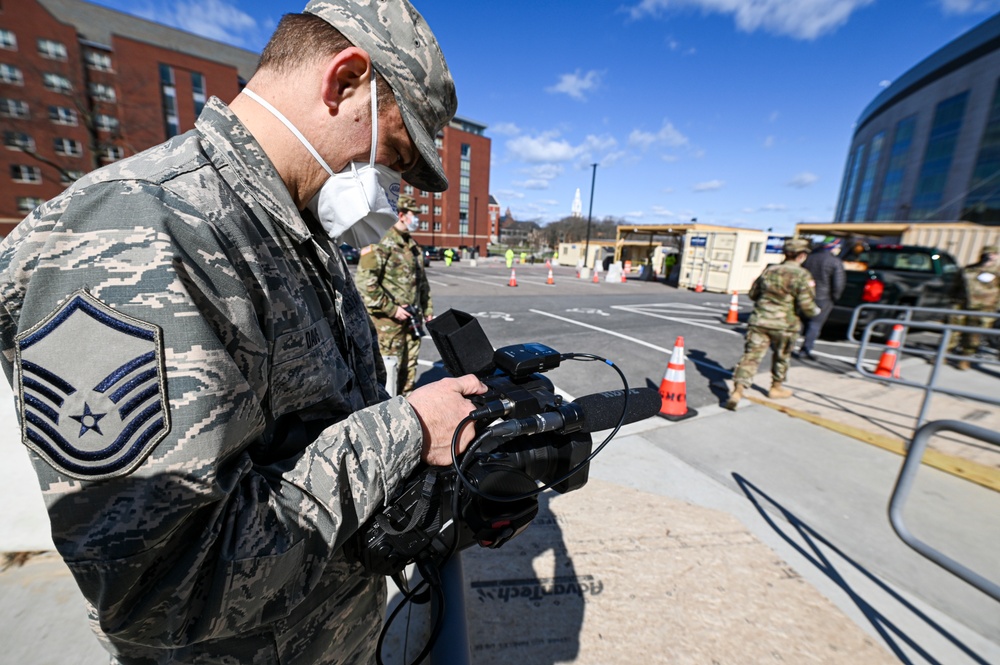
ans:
(633, 324)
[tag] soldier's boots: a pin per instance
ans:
(778, 391)
(734, 398)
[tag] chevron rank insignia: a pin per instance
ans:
(92, 390)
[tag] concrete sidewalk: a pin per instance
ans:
(686, 546)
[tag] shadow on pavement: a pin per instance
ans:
(821, 553)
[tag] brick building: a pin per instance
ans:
(459, 217)
(82, 86)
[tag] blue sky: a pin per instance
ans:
(735, 112)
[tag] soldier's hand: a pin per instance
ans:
(440, 406)
(401, 314)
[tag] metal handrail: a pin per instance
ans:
(904, 484)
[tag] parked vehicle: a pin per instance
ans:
(437, 253)
(351, 254)
(905, 275)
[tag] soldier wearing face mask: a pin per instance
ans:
(390, 277)
(199, 386)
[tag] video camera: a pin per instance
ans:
(490, 494)
(415, 324)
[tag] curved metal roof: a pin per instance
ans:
(976, 43)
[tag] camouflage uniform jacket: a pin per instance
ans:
(198, 385)
(391, 273)
(978, 291)
(780, 293)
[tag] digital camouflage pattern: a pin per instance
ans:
(405, 52)
(979, 291)
(780, 293)
(220, 540)
(391, 274)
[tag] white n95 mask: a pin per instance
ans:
(357, 205)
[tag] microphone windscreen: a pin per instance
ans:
(602, 411)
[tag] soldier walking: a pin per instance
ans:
(979, 291)
(780, 293)
(393, 284)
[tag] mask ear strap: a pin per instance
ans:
(287, 123)
(371, 157)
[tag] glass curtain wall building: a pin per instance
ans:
(928, 147)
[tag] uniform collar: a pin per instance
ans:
(236, 151)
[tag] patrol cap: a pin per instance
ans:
(795, 246)
(990, 249)
(407, 203)
(405, 52)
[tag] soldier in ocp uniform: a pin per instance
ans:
(196, 376)
(781, 293)
(390, 277)
(979, 291)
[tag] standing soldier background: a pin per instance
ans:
(391, 278)
(449, 256)
(979, 291)
(780, 293)
(509, 255)
(827, 271)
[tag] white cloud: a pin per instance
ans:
(774, 116)
(599, 143)
(774, 207)
(510, 194)
(769, 142)
(532, 184)
(220, 20)
(546, 147)
(884, 83)
(803, 180)
(709, 186)
(969, 6)
(505, 129)
(576, 85)
(669, 158)
(545, 171)
(667, 135)
(799, 19)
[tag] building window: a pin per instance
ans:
(753, 254)
(11, 74)
(62, 115)
(8, 40)
(864, 196)
(934, 172)
(68, 147)
(463, 183)
(57, 83)
(437, 211)
(105, 122)
(437, 227)
(424, 209)
(53, 50)
(26, 204)
(424, 226)
(463, 200)
(438, 142)
(437, 196)
(101, 92)
(112, 153)
(198, 91)
(69, 177)
(98, 61)
(18, 141)
(23, 173)
(408, 190)
(13, 108)
(845, 206)
(463, 223)
(168, 95)
(983, 201)
(898, 159)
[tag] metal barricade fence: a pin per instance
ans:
(938, 357)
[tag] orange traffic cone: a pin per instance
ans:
(550, 280)
(673, 388)
(888, 364)
(734, 309)
(597, 279)
(624, 279)
(513, 278)
(700, 286)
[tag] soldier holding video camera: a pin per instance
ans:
(394, 287)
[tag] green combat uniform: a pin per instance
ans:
(978, 291)
(391, 274)
(780, 293)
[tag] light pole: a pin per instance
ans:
(590, 213)
(475, 217)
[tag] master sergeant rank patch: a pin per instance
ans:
(91, 389)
